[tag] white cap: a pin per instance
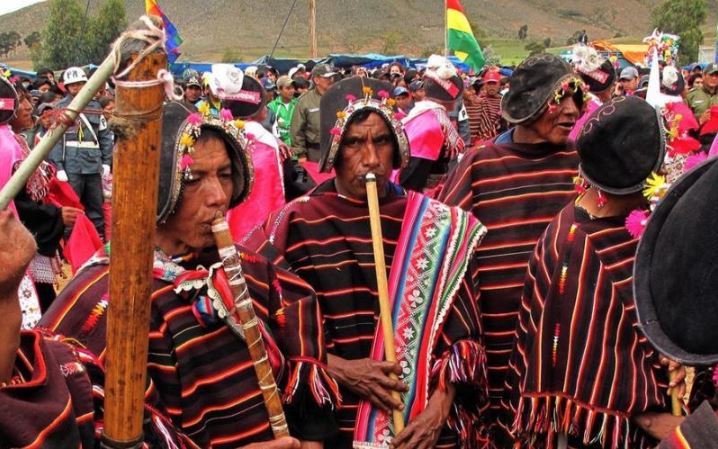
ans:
(74, 75)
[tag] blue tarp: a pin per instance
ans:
(370, 61)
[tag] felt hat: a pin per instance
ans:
(441, 80)
(342, 102)
(620, 145)
(181, 127)
(538, 80)
(243, 95)
(8, 100)
(675, 275)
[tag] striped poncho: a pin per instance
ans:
(200, 373)
(515, 190)
(581, 366)
(326, 239)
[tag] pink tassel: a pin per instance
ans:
(186, 162)
(636, 223)
(195, 119)
(335, 131)
(225, 115)
(715, 375)
(383, 94)
(350, 98)
(601, 200)
(693, 161)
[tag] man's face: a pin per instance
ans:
(287, 93)
(74, 88)
(272, 76)
(43, 88)
(46, 118)
(419, 95)
(491, 88)
(554, 126)
(192, 93)
(23, 118)
(403, 101)
(209, 192)
(367, 147)
(698, 83)
(629, 85)
(710, 81)
(323, 84)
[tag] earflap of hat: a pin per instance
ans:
(174, 117)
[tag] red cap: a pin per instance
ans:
(492, 75)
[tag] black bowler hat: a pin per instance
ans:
(534, 82)
(676, 270)
(600, 79)
(620, 145)
(243, 95)
(441, 80)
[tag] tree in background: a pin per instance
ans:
(9, 41)
(32, 40)
(684, 18)
(72, 39)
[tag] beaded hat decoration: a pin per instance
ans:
(347, 98)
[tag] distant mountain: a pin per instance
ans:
(246, 29)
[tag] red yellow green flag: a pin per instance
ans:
(460, 37)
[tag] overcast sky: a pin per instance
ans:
(11, 5)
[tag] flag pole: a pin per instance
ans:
(446, 28)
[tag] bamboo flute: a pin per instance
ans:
(242, 315)
(383, 287)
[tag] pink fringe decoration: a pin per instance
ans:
(693, 161)
(186, 162)
(636, 223)
(382, 94)
(306, 374)
(226, 115)
(350, 98)
(194, 119)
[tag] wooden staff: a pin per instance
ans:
(383, 286)
(134, 205)
(245, 323)
(676, 400)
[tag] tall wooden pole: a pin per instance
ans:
(134, 205)
(313, 29)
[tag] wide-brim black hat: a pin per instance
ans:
(250, 100)
(340, 104)
(175, 123)
(600, 79)
(533, 84)
(8, 100)
(621, 144)
(443, 90)
(676, 270)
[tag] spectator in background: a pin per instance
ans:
(283, 107)
(192, 88)
(416, 88)
(42, 84)
(695, 81)
(47, 74)
(628, 81)
(23, 123)
(305, 121)
(301, 85)
(45, 118)
(404, 101)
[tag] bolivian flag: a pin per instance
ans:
(173, 38)
(460, 38)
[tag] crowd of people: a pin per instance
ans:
(512, 203)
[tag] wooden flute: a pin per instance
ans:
(243, 314)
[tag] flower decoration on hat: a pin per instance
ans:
(568, 88)
(665, 46)
(683, 153)
(193, 129)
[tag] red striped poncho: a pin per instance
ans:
(581, 366)
(326, 239)
(200, 372)
(515, 190)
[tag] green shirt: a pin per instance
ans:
(700, 101)
(284, 112)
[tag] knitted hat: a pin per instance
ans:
(620, 145)
(537, 81)
(342, 102)
(181, 127)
